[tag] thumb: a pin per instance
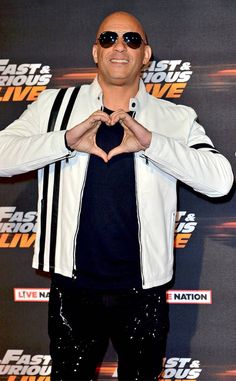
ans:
(115, 151)
(99, 152)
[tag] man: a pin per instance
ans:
(108, 159)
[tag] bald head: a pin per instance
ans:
(121, 21)
(119, 63)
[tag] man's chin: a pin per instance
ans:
(117, 80)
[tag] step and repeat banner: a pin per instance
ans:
(47, 44)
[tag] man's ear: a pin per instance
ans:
(95, 53)
(147, 54)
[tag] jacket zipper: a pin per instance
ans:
(139, 221)
(146, 158)
(74, 269)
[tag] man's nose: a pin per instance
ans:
(120, 45)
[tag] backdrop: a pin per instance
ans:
(47, 44)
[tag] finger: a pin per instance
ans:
(100, 117)
(100, 153)
(118, 116)
(115, 151)
(96, 116)
(142, 135)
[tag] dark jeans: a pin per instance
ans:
(82, 322)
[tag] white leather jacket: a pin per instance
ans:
(179, 150)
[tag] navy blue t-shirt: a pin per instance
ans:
(107, 255)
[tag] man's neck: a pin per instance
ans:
(117, 97)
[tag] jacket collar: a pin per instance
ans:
(135, 104)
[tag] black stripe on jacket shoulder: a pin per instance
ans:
(205, 145)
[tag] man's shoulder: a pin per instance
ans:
(47, 97)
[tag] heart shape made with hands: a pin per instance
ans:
(83, 136)
(129, 142)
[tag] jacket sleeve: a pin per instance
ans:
(195, 162)
(25, 145)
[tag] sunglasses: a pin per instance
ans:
(132, 39)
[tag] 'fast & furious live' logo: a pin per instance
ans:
(167, 78)
(17, 228)
(18, 366)
(22, 82)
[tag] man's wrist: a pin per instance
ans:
(149, 140)
(67, 145)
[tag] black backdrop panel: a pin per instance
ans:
(47, 44)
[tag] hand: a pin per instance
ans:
(136, 137)
(82, 137)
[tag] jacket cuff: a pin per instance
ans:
(66, 144)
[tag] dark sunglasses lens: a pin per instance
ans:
(133, 39)
(107, 39)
